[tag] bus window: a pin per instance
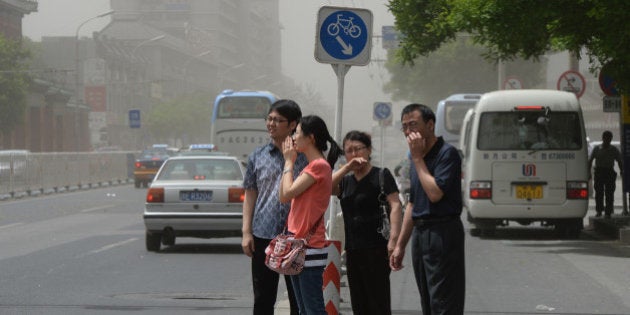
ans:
(450, 113)
(243, 107)
(238, 125)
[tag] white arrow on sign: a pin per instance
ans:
(347, 49)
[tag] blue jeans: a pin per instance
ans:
(308, 291)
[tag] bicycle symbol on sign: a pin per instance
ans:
(346, 24)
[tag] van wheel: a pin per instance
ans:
(483, 227)
(153, 241)
(488, 231)
(569, 229)
(168, 240)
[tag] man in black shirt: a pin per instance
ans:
(432, 217)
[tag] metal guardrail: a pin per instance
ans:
(23, 174)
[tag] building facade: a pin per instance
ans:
(155, 51)
(52, 120)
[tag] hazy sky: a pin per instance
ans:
(298, 18)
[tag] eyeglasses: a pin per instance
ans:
(412, 125)
(275, 120)
(353, 150)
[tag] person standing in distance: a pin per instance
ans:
(432, 217)
(604, 183)
(264, 216)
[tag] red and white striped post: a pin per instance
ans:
(332, 278)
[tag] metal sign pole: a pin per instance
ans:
(382, 124)
(340, 71)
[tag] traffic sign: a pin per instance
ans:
(382, 111)
(390, 37)
(612, 104)
(134, 118)
(512, 83)
(572, 81)
(606, 82)
(344, 36)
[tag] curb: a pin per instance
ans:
(617, 227)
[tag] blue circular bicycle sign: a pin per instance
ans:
(382, 111)
(344, 35)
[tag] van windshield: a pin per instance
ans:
(454, 114)
(529, 130)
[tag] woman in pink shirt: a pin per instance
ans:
(309, 195)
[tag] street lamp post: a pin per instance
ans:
(138, 100)
(77, 84)
(150, 40)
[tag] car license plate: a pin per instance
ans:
(529, 192)
(195, 195)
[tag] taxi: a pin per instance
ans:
(148, 163)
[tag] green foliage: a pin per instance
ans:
(187, 119)
(521, 28)
(456, 67)
(13, 84)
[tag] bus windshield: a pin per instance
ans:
(243, 107)
(529, 130)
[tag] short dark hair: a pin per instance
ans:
(607, 135)
(287, 108)
(426, 111)
(355, 135)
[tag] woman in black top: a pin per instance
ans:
(358, 185)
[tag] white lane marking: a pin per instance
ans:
(108, 247)
(11, 225)
(97, 208)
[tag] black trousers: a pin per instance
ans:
(439, 267)
(604, 185)
(368, 278)
(265, 282)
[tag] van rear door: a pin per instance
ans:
(528, 183)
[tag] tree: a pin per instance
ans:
(521, 28)
(455, 67)
(185, 119)
(13, 84)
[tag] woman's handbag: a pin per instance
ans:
(286, 254)
(385, 208)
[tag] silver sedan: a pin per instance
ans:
(194, 196)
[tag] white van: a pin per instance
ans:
(449, 116)
(524, 159)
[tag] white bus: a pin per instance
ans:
(449, 116)
(238, 125)
(525, 160)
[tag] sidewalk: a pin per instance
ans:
(616, 227)
(282, 306)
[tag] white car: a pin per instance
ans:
(194, 196)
